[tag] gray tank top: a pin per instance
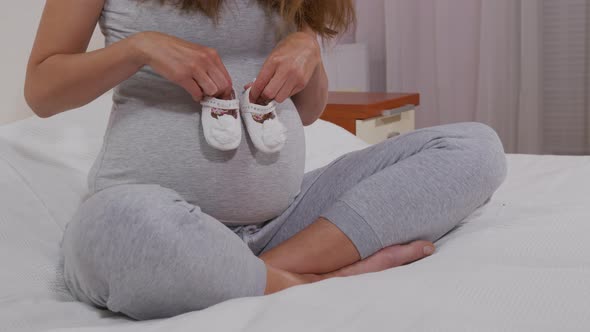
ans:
(154, 135)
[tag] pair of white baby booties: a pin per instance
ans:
(221, 121)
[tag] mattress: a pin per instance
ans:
(520, 263)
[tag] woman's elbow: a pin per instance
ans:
(36, 102)
(311, 115)
(308, 121)
(36, 106)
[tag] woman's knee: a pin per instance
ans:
(100, 238)
(473, 148)
(484, 151)
(145, 252)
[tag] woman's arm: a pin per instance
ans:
(295, 69)
(62, 76)
(312, 100)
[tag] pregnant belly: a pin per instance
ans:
(241, 190)
(243, 186)
(243, 196)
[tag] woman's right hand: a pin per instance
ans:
(196, 68)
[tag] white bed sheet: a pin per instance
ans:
(520, 263)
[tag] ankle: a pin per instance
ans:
(278, 279)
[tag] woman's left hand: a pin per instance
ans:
(288, 69)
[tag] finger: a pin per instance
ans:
(206, 83)
(247, 86)
(273, 87)
(193, 88)
(266, 74)
(220, 81)
(223, 70)
(285, 92)
(412, 252)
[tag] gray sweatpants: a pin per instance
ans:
(143, 251)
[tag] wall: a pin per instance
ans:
(371, 32)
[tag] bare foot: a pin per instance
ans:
(386, 258)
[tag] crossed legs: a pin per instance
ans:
(143, 251)
(382, 206)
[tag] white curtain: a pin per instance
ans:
(521, 66)
(566, 76)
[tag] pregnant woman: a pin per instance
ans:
(198, 194)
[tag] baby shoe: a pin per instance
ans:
(267, 133)
(221, 122)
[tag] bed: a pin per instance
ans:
(519, 263)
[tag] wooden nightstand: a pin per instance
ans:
(373, 117)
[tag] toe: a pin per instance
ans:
(408, 253)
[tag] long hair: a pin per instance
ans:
(327, 18)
